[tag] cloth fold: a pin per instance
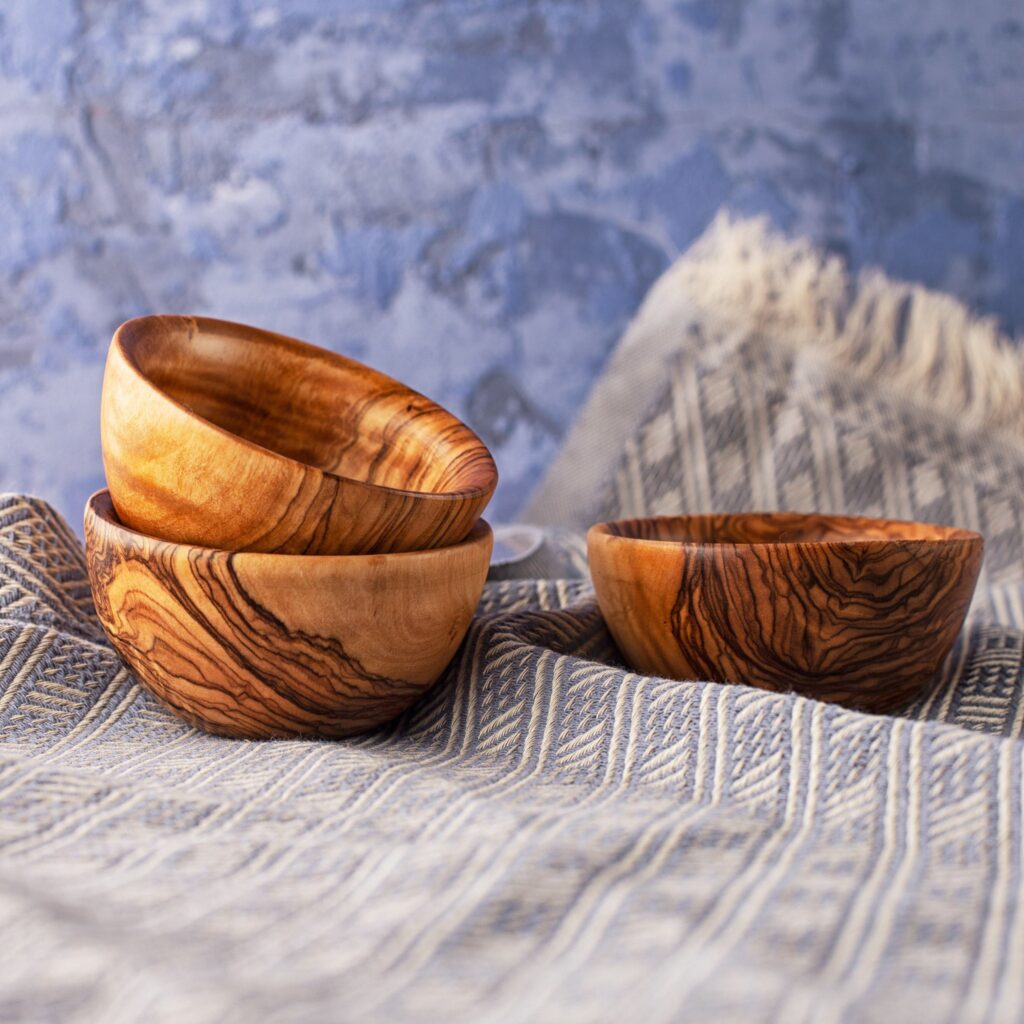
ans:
(545, 836)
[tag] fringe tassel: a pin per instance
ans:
(924, 344)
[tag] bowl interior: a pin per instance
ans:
(308, 404)
(778, 528)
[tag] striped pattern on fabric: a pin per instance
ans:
(546, 836)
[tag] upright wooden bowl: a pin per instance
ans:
(230, 437)
(858, 611)
(257, 645)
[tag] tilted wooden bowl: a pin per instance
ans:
(231, 437)
(258, 645)
(858, 611)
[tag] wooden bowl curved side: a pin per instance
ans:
(856, 611)
(257, 645)
(230, 437)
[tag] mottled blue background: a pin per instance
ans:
(473, 196)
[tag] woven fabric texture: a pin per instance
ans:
(922, 363)
(546, 836)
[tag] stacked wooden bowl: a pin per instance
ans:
(291, 542)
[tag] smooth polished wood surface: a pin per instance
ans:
(857, 611)
(226, 436)
(260, 645)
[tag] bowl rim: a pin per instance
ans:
(100, 506)
(945, 534)
(308, 350)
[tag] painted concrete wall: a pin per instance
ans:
(471, 195)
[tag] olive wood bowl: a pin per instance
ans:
(259, 645)
(227, 436)
(858, 611)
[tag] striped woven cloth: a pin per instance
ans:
(548, 836)
(545, 837)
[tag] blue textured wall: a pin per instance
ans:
(471, 195)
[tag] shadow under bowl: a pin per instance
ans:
(839, 608)
(257, 645)
(227, 436)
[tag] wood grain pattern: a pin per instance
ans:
(259, 645)
(226, 436)
(858, 611)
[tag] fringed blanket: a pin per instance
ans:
(548, 836)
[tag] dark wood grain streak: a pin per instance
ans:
(846, 609)
(259, 645)
(226, 436)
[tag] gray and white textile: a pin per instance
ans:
(548, 836)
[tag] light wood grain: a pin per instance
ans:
(858, 611)
(226, 436)
(258, 645)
